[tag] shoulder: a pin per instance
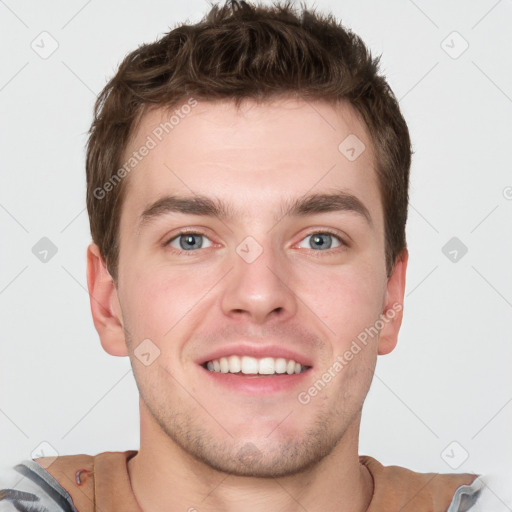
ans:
(91, 480)
(28, 486)
(408, 490)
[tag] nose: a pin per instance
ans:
(260, 289)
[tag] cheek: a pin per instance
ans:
(347, 300)
(159, 298)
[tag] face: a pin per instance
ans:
(233, 260)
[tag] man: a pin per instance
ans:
(247, 188)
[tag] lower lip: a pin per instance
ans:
(257, 384)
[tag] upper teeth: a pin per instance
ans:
(251, 365)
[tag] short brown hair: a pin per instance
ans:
(241, 51)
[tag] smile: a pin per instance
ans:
(253, 366)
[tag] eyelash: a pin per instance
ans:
(179, 252)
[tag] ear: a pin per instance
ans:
(393, 306)
(105, 306)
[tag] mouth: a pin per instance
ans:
(248, 366)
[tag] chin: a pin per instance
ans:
(270, 456)
(286, 459)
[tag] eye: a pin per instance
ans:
(189, 241)
(323, 241)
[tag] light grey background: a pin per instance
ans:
(443, 393)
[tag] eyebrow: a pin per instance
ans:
(213, 207)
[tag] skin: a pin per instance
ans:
(207, 446)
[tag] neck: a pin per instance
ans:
(164, 477)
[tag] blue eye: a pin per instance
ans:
(323, 241)
(189, 241)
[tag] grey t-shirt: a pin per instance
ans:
(28, 487)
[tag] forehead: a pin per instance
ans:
(252, 156)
